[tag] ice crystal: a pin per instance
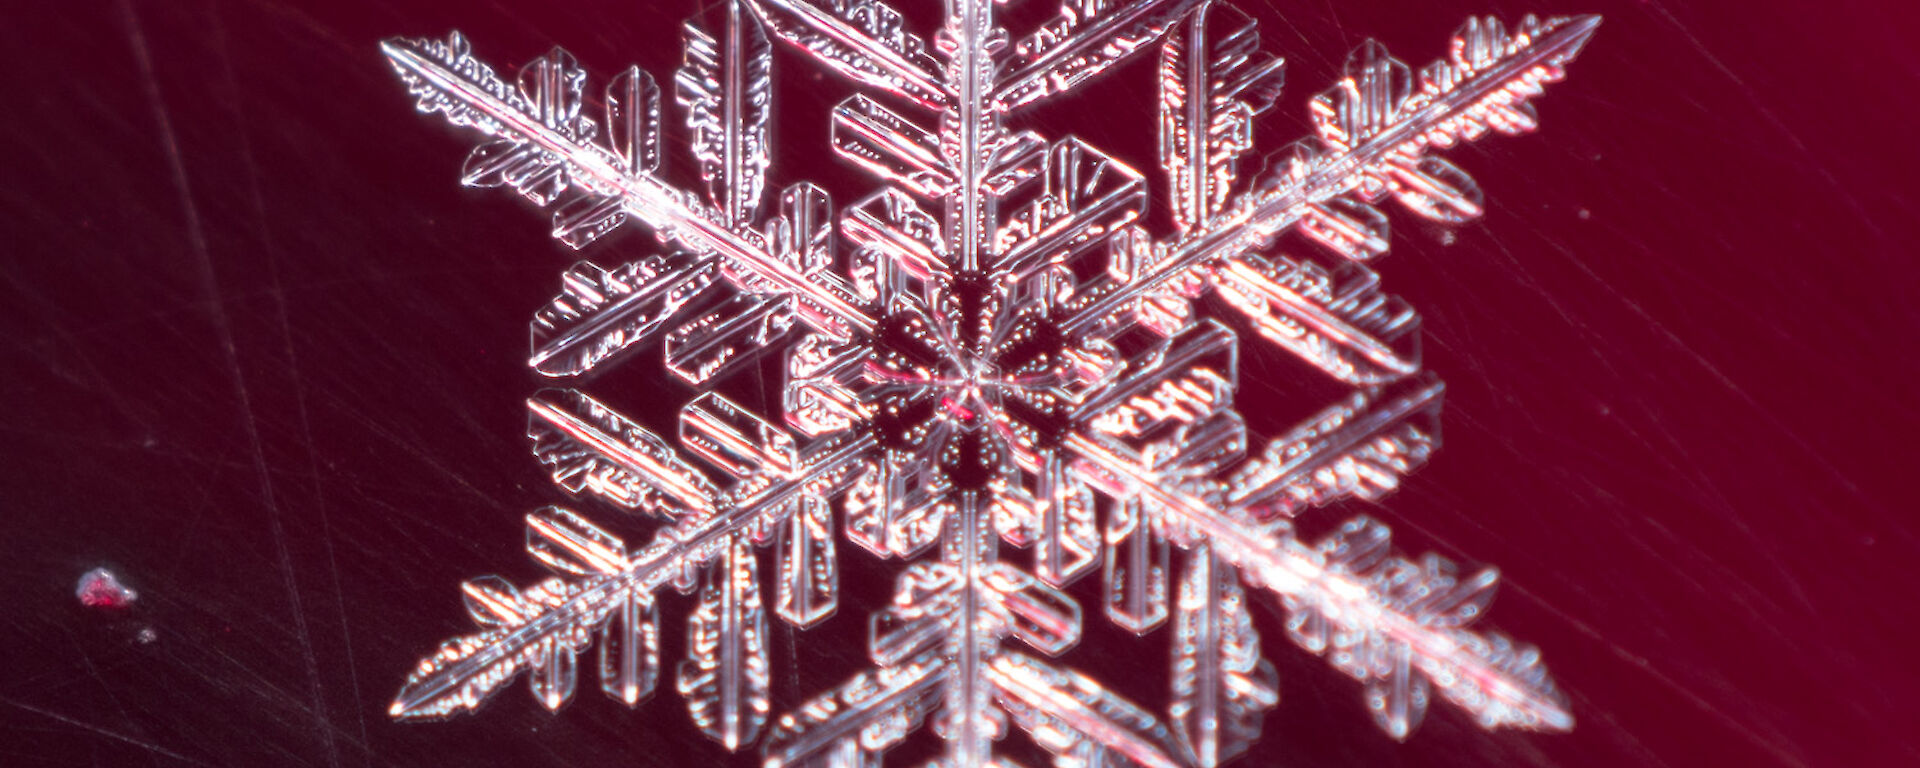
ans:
(987, 351)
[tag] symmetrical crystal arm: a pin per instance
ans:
(868, 713)
(861, 39)
(1483, 86)
(1086, 39)
(1359, 446)
(467, 669)
(1214, 80)
(447, 79)
(1486, 675)
(1073, 716)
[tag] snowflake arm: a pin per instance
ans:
(533, 630)
(865, 715)
(863, 40)
(1087, 38)
(1076, 718)
(726, 87)
(1384, 618)
(601, 312)
(1214, 80)
(544, 154)
(1376, 134)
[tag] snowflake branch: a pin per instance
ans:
(593, 449)
(449, 80)
(468, 669)
(1222, 686)
(600, 313)
(726, 86)
(1484, 674)
(1461, 99)
(863, 40)
(867, 714)
(1085, 40)
(1214, 79)
(1058, 705)
(1360, 446)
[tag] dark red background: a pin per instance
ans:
(263, 356)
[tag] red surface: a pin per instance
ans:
(264, 356)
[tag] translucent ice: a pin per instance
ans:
(988, 351)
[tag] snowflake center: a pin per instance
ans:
(968, 390)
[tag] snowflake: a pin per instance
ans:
(988, 351)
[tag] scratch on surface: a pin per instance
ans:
(216, 308)
(270, 248)
(1704, 491)
(106, 688)
(1636, 661)
(1641, 662)
(1732, 387)
(1753, 735)
(1840, 190)
(109, 733)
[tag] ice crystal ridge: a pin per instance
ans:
(988, 351)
